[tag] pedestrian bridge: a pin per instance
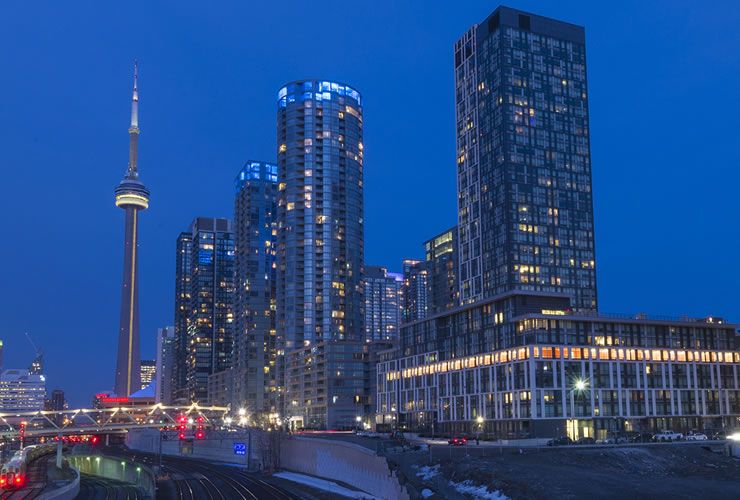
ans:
(107, 420)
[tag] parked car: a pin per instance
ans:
(696, 436)
(586, 440)
(719, 436)
(560, 441)
(457, 441)
(399, 438)
(616, 439)
(667, 435)
(361, 433)
(641, 438)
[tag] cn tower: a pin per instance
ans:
(133, 197)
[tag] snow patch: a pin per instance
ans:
(426, 473)
(467, 487)
(323, 484)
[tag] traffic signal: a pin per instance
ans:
(182, 420)
(199, 434)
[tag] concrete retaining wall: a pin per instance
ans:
(66, 492)
(112, 468)
(341, 461)
(218, 446)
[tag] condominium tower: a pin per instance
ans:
(320, 233)
(525, 211)
(208, 313)
(254, 369)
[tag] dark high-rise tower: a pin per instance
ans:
(441, 265)
(132, 196)
(210, 320)
(525, 212)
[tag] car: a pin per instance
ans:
(641, 438)
(696, 436)
(361, 434)
(719, 436)
(667, 435)
(560, 441)
(616, 440)
(586, 440)
(457, 441)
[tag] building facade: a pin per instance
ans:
(255, 353)
(210, 310)
(525, 210)
(441, 265)
(21, 390)
(183, 274)
(328, 385)
(164, 371)
(221, 387)
(320, 233)
(148, 372)
(383, 303)
(415, 290)
(530, 366)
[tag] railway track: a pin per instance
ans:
(193, 479)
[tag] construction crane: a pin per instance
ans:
(37, 365)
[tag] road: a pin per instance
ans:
(186, 479)
(95, 487)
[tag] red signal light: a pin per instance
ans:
(200, 435)
(19, 479)
(181, 435)
(2, 481)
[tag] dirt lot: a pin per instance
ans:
(663, 471)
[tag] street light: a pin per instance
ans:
(479, 420)
(581, 385)
(242, 412)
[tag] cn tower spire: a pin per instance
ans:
(133, 197)
(133, 131)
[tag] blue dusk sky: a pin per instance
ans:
(663, 81)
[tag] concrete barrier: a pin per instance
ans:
(66, 492)
(341, 461)
(116, 468)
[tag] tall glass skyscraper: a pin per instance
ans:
(525, 209)
(383, 303)
(415, 290)
(441, 265)
(254, 369)
(320, 242)
(204, 305)
(320, 213)
(183, 273)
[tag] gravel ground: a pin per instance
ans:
(687, 471)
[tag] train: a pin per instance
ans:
(13, 475)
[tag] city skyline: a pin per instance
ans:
(382, 160)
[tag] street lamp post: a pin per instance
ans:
(479, 421)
